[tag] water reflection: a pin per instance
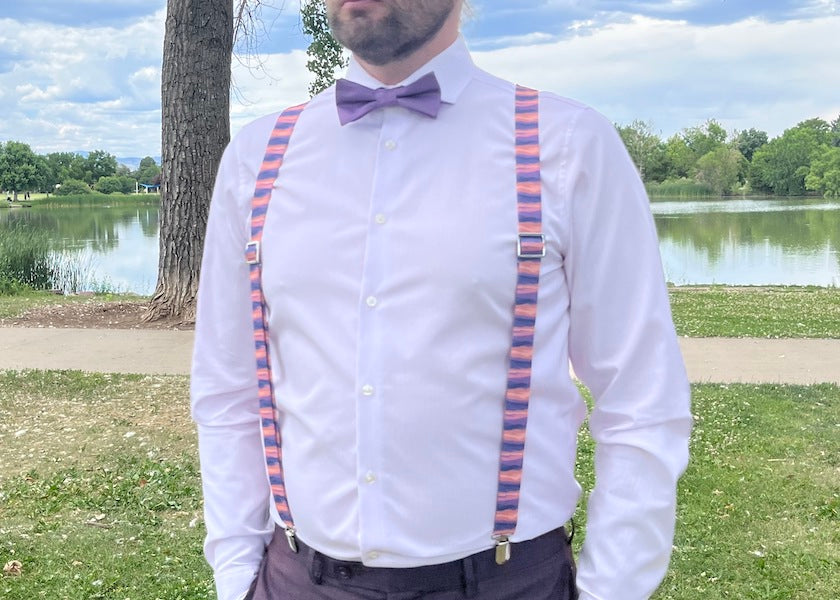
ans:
(735, 241)
(118, 244)
(750, 242)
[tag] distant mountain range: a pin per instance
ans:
(132, 162)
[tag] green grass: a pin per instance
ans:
(99, 491)
(759, 505)
(96, 199)
(99, 488)
(698, 311)
(679, 188)
(766, 312)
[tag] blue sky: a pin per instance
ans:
(85, 74)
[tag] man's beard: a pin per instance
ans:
(393, 38)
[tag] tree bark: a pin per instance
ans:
(195, 93)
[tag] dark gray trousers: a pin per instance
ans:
(539, 569)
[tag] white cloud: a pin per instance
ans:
(83, 88)
(746, 74)
(277, 82)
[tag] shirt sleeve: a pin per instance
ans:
(224, 394)
(623, 347)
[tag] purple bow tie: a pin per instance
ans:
(354, 101)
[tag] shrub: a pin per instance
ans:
(73, 186)
(115, 183)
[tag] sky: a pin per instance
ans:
(85, 74)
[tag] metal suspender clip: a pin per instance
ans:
(502, 549)
(252, 253)
(290, 537)
(525, 243)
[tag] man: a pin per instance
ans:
(388, 268)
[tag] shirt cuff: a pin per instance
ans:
(234, 585)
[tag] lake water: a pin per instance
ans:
(733, 242)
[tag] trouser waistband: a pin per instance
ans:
(465, 572)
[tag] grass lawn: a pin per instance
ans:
(100, 496)
(773, 312)
(766, 312)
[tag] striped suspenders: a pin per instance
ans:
(530, 249)
(274, 154)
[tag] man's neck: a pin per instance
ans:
(397, 71)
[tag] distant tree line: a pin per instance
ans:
(698, 160)
(22, 170)
(705, 160)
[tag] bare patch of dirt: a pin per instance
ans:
(93, 315)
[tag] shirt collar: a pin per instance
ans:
(453, 69)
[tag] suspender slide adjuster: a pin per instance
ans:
(530, 245)
(502, 549)
(252, 253)
(290, 537)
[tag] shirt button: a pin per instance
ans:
(367, 390)
(372, 555)
(390, 145)
(380, 219)
(371, 301)
(370, 477)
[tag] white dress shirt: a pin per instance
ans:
(389, 260)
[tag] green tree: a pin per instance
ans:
(18, 168)
(64, 166)
(679, 158)
(702, 140)
(148, 171)
(99, 164)
(835, 132)
(781, 166)
(824, 175)
(683, 150)
(750, 140)
(324, 52)
(645, 148)
(719, 169)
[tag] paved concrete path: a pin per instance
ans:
(724, 360)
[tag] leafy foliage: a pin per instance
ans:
(324, 52)
(73, 187)
(115, 183)
(824, 176)
(782, 165)
(18, 167)
(749, 141)
(719, 169)
(645, 148)
(148, 172)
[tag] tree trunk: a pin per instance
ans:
(196, 128)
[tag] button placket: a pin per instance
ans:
(369, 399)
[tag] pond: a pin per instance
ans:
(748, 241)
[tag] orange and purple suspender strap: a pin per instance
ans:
(274, 154)
(530, 250)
